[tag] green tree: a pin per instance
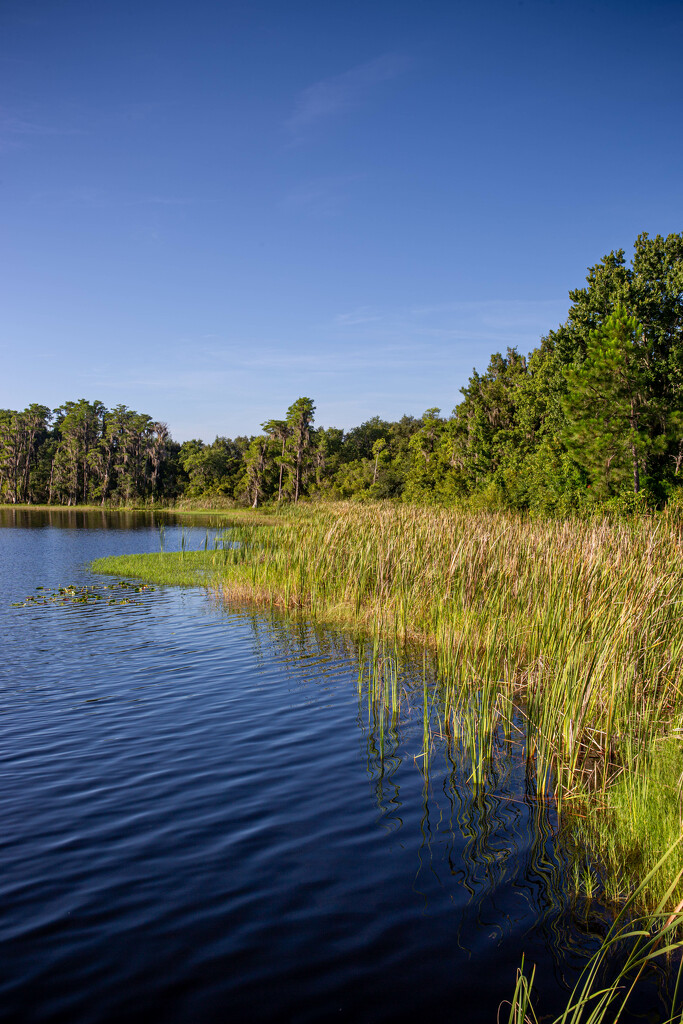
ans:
(359, 441)
(10, 455)
(496, 426)
(300, 424)
(22, 434)
(651, 290)
(213, 469)
(79, 425)
(611, 407)
(279, 430)
(329, 442)
(379, 451)
(256, 463)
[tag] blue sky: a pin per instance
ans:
(210, 209)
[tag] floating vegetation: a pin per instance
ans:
(106, 594)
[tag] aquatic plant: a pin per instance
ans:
(84, 594)
(570, 631)
(610, 979)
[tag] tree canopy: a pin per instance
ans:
(593, 414)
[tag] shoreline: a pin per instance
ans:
(582, 620)
(246, 515)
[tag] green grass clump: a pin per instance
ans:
(176, 568)
(638, 816)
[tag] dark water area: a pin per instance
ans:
(203, 819)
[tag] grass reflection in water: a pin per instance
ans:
(554, 645)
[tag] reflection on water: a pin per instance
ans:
(492, 841)
(65, 518)
(213, 815)
(161, 524)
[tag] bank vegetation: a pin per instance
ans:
(566, 634)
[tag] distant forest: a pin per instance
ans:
(593, 414)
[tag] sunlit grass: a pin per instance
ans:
(639, 815)
(174, 568)
(576, 625)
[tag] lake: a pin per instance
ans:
(205, 819)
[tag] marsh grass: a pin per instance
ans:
(641, 816)
(639, 960)
(570, 631)
(632, 948)
(173, 568)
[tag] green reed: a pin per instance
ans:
(632, 946)
(579, 625)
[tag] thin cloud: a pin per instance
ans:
(11, 125)
(342, 92)
(88, 196)
(321, 197)
(364, 315)
(162, 201)
(519, 323)
(93, 197)
(16, 132)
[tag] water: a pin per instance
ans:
(203, 820)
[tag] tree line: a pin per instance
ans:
(82, 452)
(593, 414)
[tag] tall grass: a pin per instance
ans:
(604, 992)
(573, 628)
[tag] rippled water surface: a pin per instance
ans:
(203, 820)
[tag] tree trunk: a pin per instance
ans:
(636, 473)
(282, 466)
(678, 460)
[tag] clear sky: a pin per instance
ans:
(212, 208)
